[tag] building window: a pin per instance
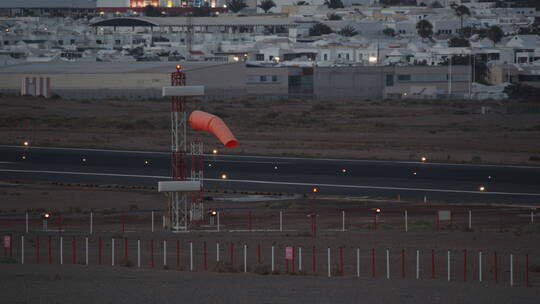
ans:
(325, 57)
(404, 77)
(259, 57)
(262, 78)
(274, 78)
(389, 80)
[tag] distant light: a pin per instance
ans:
(343, 170)
(23, 157)
(225, 5)
(277, 58)
(235, 58)
(315, 190)
(213, 212)
(414, 173)
(102, 13)
(378, 210)
(404, 94)
(178, 67)
(223, 176)
(146, 162)
(490, 177)
(209, 165)
(482, 188)
(423, 159)
(215, 151)
(372, 59)
(275, 167)
(26, 144)
(83, 160)
(46, 215)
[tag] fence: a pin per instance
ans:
(496, 267)
(275, 220)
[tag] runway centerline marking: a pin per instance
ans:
(276, 182)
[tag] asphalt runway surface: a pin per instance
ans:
(349, 177)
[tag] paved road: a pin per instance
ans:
(410, 180)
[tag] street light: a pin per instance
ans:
(26, 143)
(343, 170)
(215, 151)
(315, 190)
(423, 159)
(482, 188)
(223, 176)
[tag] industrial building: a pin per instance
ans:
(48, 8)
(235, 80)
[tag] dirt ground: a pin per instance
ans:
(442, 130)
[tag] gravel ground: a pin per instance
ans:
(80, 284)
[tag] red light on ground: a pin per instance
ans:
(315, 190)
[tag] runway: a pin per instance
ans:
(349, 177)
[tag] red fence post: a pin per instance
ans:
(50, 253)
(126, 248)
(74, 251)
(37, 250)
(432, 264)
(372, 262)
(177, 254)
(341, 271)
(258, 253)
(152, 253)
(100, 247)
(205, 255)
(403, 263)
(313, 260)
(465, 265)
(495, 274)
(526, 270)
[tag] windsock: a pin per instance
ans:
(199, 120)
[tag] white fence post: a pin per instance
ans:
(470, 220)
(448, 266)
(164, 252)
(343, 220)
(358, 262)
(245, 258)
(281, 220)
(418, 264)
(532, 217)
(152, 221)
(91, 222)
(300, 259)
(61, 250)
(26, 222)
(139, 253)
(217, 252)
(190, 256)
(273, 255)
(112, 251)
(86, 250)
(329, 269)
(22, 249)
(480, 266)
(511, 270)
(406, 222)
(387, 264)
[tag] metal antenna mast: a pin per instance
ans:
(178, 200)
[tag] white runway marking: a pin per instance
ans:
(276, 182)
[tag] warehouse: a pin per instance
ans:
(49, 8)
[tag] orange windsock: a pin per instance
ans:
(200, 120)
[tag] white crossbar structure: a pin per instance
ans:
(36, 86)
(182, 91)
(179, 186)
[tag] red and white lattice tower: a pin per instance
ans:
(178, 200)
